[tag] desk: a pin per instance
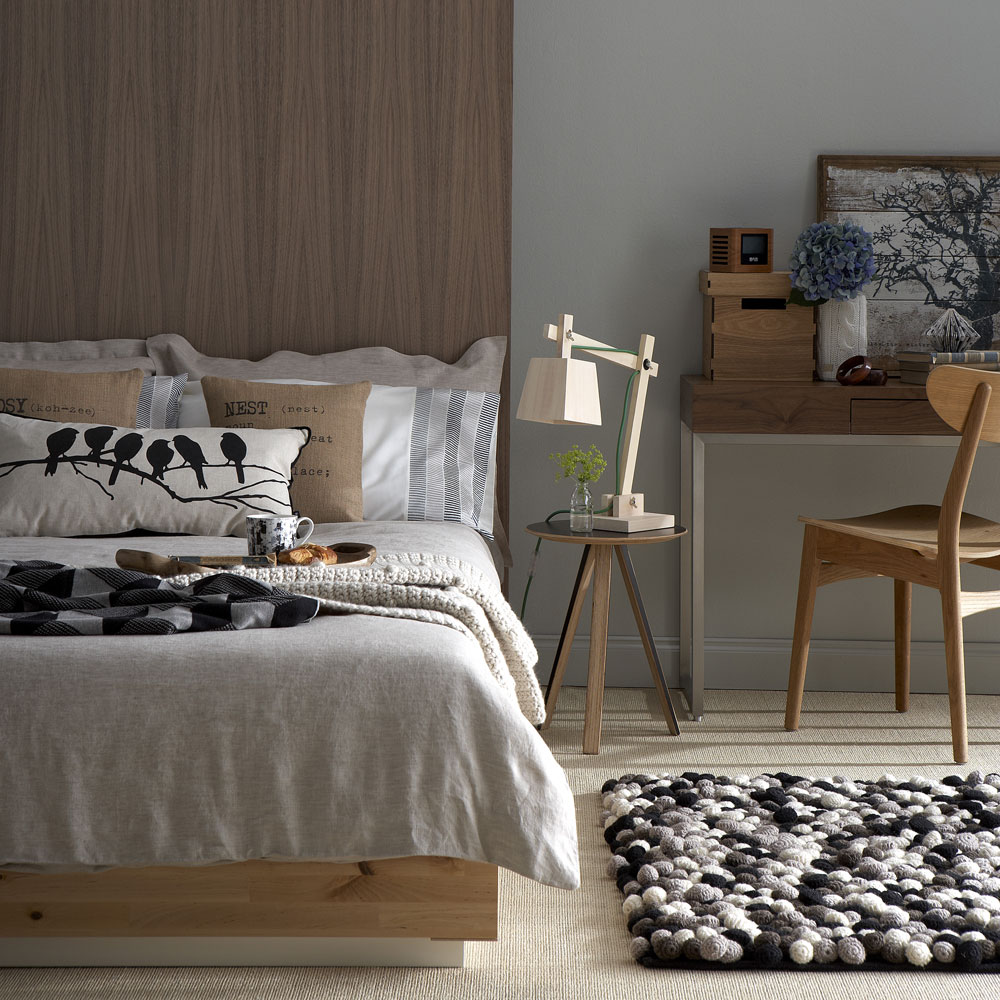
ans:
(821, 413)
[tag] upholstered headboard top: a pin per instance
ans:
(307, 175)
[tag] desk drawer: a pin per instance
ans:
(896, 416)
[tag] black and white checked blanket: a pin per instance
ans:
(46, 598)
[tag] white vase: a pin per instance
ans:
(841, 332)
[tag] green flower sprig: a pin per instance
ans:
(583, 466)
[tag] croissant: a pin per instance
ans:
(309, 554)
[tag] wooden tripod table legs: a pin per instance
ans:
(595, 566)
(639, 611)
(583, 575)
(598, 650)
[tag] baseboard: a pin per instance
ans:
(241, 951)
(762, 664)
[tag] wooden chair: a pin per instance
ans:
(924, 544)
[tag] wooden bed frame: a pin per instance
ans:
(440, 899)
(306, 176)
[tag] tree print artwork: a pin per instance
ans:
(936, 223)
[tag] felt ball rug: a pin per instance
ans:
(787, 871)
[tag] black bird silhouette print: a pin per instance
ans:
(58, 443)
(97, 439)
(125, 449)
(235, 449)
(192, 454)
(159, 455)
(169, 462)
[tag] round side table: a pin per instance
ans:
(595, 565)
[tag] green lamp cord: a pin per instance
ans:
(618, 480)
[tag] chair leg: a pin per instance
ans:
(808, 580)
(951, 610)
(902, 606)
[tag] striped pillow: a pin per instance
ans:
(453, 436)
(429, 454)
(159, 401)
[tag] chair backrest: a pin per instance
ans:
(951, 389)
(968, 400)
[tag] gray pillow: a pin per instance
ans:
(478, 370)
(76, 355)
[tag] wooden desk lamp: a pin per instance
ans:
(563, 390)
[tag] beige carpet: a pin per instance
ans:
(575, 945)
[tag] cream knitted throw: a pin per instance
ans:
(426, 587)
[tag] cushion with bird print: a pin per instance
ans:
(104, 397)
(326, 480)
(66, 479)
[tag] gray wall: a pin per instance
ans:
(637, 126)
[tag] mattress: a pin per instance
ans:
(351, 737)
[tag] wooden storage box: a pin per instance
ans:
(751, 332)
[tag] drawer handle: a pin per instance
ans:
(763, 304)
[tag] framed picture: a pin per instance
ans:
(936, 227)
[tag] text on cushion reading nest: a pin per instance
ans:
(246, 407)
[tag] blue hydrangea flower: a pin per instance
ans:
(832, 261)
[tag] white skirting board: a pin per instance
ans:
(762, 664)
(38, 952)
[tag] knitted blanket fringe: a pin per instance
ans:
(429, 587)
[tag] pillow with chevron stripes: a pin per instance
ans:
(67, 479)
(160, 401)
(431, 456)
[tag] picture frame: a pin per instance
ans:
(935, 221)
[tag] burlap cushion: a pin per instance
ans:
(326, 480)
(93, 397)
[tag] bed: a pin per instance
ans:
(379, 754)
(307, 177)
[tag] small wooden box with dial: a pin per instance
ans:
(746, 251)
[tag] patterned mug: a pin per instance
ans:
(275, 532)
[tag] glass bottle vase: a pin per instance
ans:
(581, 510)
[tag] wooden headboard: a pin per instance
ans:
(257, 175)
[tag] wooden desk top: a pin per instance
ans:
(558, 531)
(731, 407)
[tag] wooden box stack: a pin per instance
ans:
(751, 332)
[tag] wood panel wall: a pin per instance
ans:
(257, 174)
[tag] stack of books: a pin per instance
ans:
(915, 366)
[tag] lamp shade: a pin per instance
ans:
(560, 391)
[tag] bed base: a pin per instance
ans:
(397, 911)
(190, 952)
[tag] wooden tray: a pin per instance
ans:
(348, 554)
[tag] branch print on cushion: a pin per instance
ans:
(159, 455)
(93, 467)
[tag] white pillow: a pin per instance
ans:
(429, 454)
